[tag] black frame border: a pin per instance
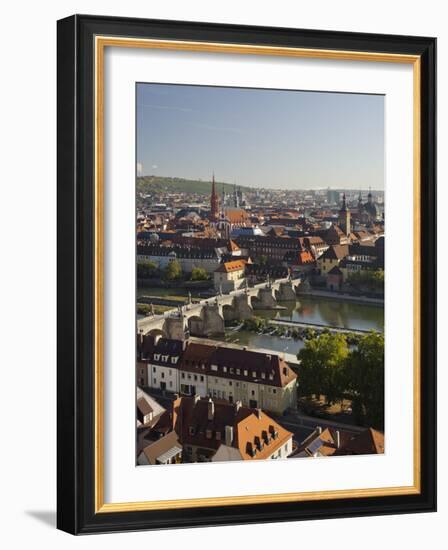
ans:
(76, 263)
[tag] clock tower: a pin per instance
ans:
(344, 217)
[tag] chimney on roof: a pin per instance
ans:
(210, 409)
(319, 429)
(237, 406)
(258, 413)
(229, 436)
(196, 398)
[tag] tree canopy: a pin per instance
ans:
(198, 274)
(365, 380)
(328, 367)
(146, 269)
(173, 271)
(322, 363)
(372, 280)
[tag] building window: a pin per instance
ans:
(202, 378)
(183, 375)
(153, 369)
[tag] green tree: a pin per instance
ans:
(372, 280)
(146, 269)
(254, 323)
(199, 274)
(173, 271)
(365, 380)
(322, 367)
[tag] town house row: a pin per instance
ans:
(258, 380)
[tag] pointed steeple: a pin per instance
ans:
(344, 204)
(214, 201)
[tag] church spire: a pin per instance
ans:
(344, 217)
(214, 201)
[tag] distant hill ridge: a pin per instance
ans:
(157, 184)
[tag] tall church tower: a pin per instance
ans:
(360, 205)
(344, 217)
(214, 202)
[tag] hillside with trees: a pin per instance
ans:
(148, 185)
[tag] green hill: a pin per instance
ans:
(158, 184)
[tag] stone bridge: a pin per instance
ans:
(207, 317)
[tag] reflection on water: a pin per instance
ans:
(316, 310)
(333, 313)
(254, 340)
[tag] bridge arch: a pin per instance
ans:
(196, 324)
(157, 332)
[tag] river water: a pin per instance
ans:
(307, 309)
(311, 309)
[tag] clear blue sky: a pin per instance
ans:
(261, 138)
